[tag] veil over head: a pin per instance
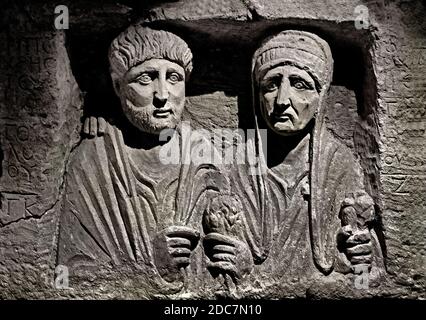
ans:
(311, 53)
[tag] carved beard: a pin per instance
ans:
(144, 120)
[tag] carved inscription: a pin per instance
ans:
(15, 206)
(29, 67)
(36, 116)
(19, 158)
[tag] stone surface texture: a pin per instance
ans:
(52, 81)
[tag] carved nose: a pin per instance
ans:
(283, 97)
(161, 95)
(159, 103)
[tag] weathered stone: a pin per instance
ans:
(39, 118)
(339, 198)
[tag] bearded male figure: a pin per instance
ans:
(123, 204)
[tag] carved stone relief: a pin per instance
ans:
(123, 205)
(218, 150)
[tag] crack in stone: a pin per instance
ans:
(31, 217)
(61, 193)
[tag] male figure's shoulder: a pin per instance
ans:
(93, 149)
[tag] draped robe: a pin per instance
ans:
(117, 198)
(277, 204)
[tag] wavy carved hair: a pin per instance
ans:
(138, 44)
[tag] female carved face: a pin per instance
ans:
(288, 99)
(153, 95)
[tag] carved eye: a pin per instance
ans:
(270, 86)
(174, 77)
(300, 84)
(144, 78)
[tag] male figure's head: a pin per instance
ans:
(291, 71)
(149, 69)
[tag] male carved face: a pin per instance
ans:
(288, 99)
(153, 95)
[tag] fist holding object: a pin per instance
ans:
(357, 214)
(229, 256)
(173, 247)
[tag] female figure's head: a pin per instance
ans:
(291, 72)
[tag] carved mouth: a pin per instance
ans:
(162, 113)
(282, 117)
